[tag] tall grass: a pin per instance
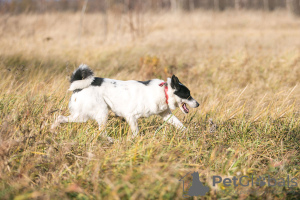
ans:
(243, 68)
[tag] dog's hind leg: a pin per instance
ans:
(101, 118)
(171, 119)
(133, 126)
(63, 119)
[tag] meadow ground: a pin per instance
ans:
(242, 67)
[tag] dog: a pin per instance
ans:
(93, 97)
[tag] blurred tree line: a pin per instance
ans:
(123, 6)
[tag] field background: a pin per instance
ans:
(243, 67)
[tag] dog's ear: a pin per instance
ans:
(83, 74)
(175, 83)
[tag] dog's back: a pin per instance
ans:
(124, 98)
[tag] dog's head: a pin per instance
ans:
(180, 96)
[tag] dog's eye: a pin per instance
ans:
(189, 98)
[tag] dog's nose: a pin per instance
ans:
(197, 104)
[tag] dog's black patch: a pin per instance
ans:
(81, 74)
(77, 90)
(145, 82)
(97, 81)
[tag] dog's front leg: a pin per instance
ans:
(171, 119)
(132, 121)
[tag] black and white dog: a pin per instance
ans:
(93, 97)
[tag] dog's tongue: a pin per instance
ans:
(185, 108)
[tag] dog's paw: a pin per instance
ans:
(52, 130)
(134, 135)
(110, 140)
(54, 125)
(131, 138)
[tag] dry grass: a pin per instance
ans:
(243, 68)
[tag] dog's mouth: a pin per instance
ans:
(185, 109)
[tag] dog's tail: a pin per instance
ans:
(81, 78)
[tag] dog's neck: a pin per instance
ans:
(166, 90)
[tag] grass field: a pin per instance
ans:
(242, 67)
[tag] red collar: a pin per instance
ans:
(166, 90)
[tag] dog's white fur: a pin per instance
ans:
(128, 99)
